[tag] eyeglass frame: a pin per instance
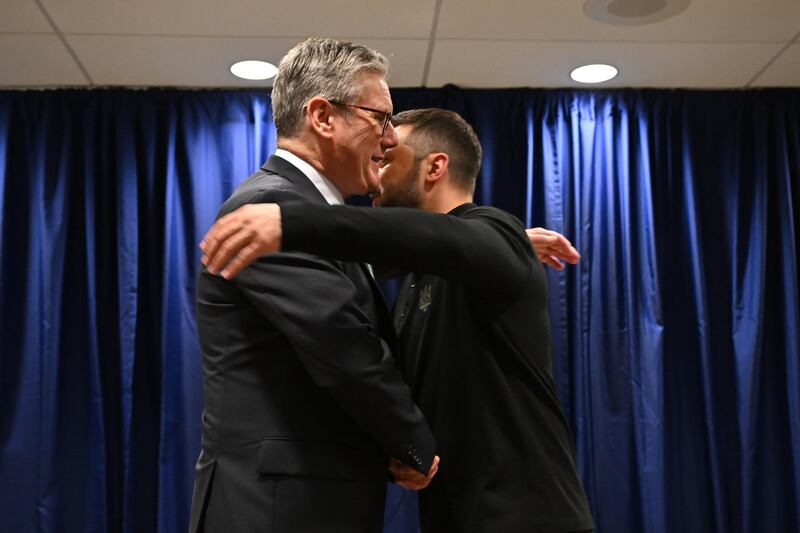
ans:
(387, 115)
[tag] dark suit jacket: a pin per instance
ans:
(303, 401)
(474, 345)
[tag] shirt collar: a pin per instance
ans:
(323, 184)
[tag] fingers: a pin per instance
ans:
(413, 483)
(545, 236)
(433, 470)
(405, 476)
(552, 248)
(219, 232)
(240, 262)
(411, 479)
(239, 238)
(564, 249)
(408, 478)
(231, 247)
(551, 261)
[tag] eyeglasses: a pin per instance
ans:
(385, 116)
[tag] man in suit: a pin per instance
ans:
(472, 324)
(304, 405)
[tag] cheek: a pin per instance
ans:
(387, 174)
(358, 141)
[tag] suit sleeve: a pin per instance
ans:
(313, 303)
(485, 249)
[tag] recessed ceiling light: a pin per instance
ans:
(254, 70)
(633, 12)
(597, 73)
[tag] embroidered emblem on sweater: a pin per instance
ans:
(425, 298)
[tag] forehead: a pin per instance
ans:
(403, 132)
(374, 87)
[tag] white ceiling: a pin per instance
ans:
(472, 43)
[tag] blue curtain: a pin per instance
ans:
(675, 339)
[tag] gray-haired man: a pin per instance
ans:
(304, 405)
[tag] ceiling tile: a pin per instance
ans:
(251, 18)
(784, 72)
(553, 20)
(406, 56)
(173, 61)
(37, 60)
(205, 61)
(516, 64)
(22, 16)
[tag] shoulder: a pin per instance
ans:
(262, 187)
(507, 227)
(494, 216)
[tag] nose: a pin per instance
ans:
(389, 139)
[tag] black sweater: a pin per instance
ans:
(474, 345)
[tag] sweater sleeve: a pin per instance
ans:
(486, 247)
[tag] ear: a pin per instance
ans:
(320, 112)
(437, 165)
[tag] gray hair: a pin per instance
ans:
(319, 67)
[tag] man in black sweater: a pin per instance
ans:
(472, 324)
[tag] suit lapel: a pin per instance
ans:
(278, 165)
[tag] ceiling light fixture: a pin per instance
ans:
(596, 73)
(633, 12)
(254, 70)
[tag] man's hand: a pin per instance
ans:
(408, 478)
(551, 248)
(241, 237)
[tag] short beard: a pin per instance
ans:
(407, 194)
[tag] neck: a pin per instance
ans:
(446, 201)
(310, 152)
(305, 151)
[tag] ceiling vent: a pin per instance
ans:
(633, 12)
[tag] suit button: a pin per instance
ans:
(411, 452)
